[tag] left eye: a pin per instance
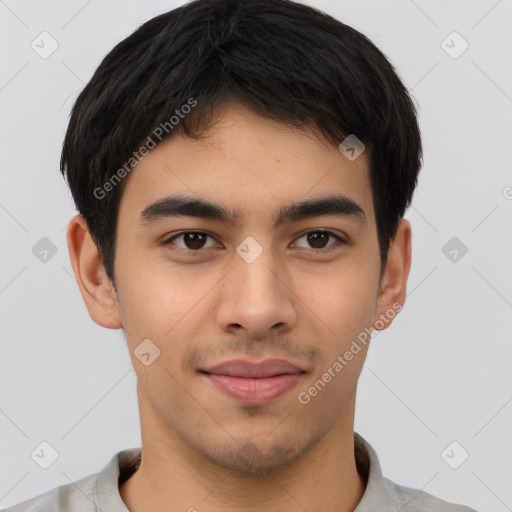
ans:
(195, 240)
(318, 239)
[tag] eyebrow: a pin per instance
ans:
(178, 205)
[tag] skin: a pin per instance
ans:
(201, 448)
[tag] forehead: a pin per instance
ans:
(249, 163)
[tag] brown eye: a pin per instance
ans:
(190, 240)
(319, 239)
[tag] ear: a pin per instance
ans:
(96, 288)
(394, 277)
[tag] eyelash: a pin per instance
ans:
(322, 251)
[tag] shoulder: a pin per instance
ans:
(383, 494)
(98, 491)
(414, 500)
(77, 496)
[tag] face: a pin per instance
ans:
(256, 278)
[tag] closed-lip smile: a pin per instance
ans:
(254, 383)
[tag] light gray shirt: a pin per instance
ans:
(100, 492)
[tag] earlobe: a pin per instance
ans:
(394, 278)
(95, 287)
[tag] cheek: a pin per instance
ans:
(348, 314)
(344, 298)
(163, 305)
(154, 296)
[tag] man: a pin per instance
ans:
(241, 171)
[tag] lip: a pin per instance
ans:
(249, 369)
(254, 383)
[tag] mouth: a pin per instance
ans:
(254, 383)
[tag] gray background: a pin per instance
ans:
(440, 374)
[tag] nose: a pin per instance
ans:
(257, 299)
